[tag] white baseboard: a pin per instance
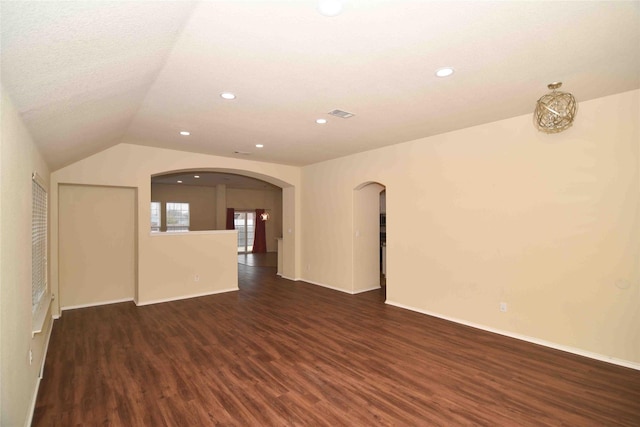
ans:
(181, 297)
(360, 291)
(565, 348)
(324, 285)
(34, 398)
(327, 286)
(95, 304)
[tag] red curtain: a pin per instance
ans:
(260, 240)
(230, 215)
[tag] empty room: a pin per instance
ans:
(319, 213)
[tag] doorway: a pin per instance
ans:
(245, 223)
(369, 241)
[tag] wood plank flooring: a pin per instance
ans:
(280, 353)
(267, 259)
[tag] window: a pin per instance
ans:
(38, 252)
(177, 216)
(156, 216)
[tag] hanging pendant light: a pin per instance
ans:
(555, 111)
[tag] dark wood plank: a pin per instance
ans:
(267, 259)
(279, 353)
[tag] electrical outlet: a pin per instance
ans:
(503, 307)
(196, 278)
(30, 357)
(308, 267)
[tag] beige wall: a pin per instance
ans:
(221, 207)
(199, 263)
(127, 165)
(202, 203)
(271, 200)
(18, 159)
(496, 213)
(96, 245)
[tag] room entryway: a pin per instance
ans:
(369, 237)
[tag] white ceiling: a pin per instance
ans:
(86, 75)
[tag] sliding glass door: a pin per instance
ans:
(245, 223)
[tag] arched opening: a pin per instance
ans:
(199, 199)
(369, 237)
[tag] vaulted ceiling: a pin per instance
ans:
(86, 75)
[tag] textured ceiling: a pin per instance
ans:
(86, 75)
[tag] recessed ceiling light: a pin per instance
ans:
(196, 176)
(227, 95)
(185, 133)
(444, 72)
(179, 182)
(321, 121)
(259, 145)
(330, 8)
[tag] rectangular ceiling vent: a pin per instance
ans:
(341, 114)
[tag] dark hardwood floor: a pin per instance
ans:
(279, 353)
(267, 259)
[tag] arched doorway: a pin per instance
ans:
(281, 210)
(369, 237)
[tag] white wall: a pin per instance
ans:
(19, 157)
(496, 213)
(127, 165)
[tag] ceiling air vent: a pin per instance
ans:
(341, 114)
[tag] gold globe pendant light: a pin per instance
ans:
(555, 111)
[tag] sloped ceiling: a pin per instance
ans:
(86, 75)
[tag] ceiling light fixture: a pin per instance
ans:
(179, 182)
(196, 176)
(321, 121)
(185, 133)
(330, 8)
(444, 72)
(227, 95)
(259, 145)
(555, 111)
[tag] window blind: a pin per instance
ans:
(38, 243)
